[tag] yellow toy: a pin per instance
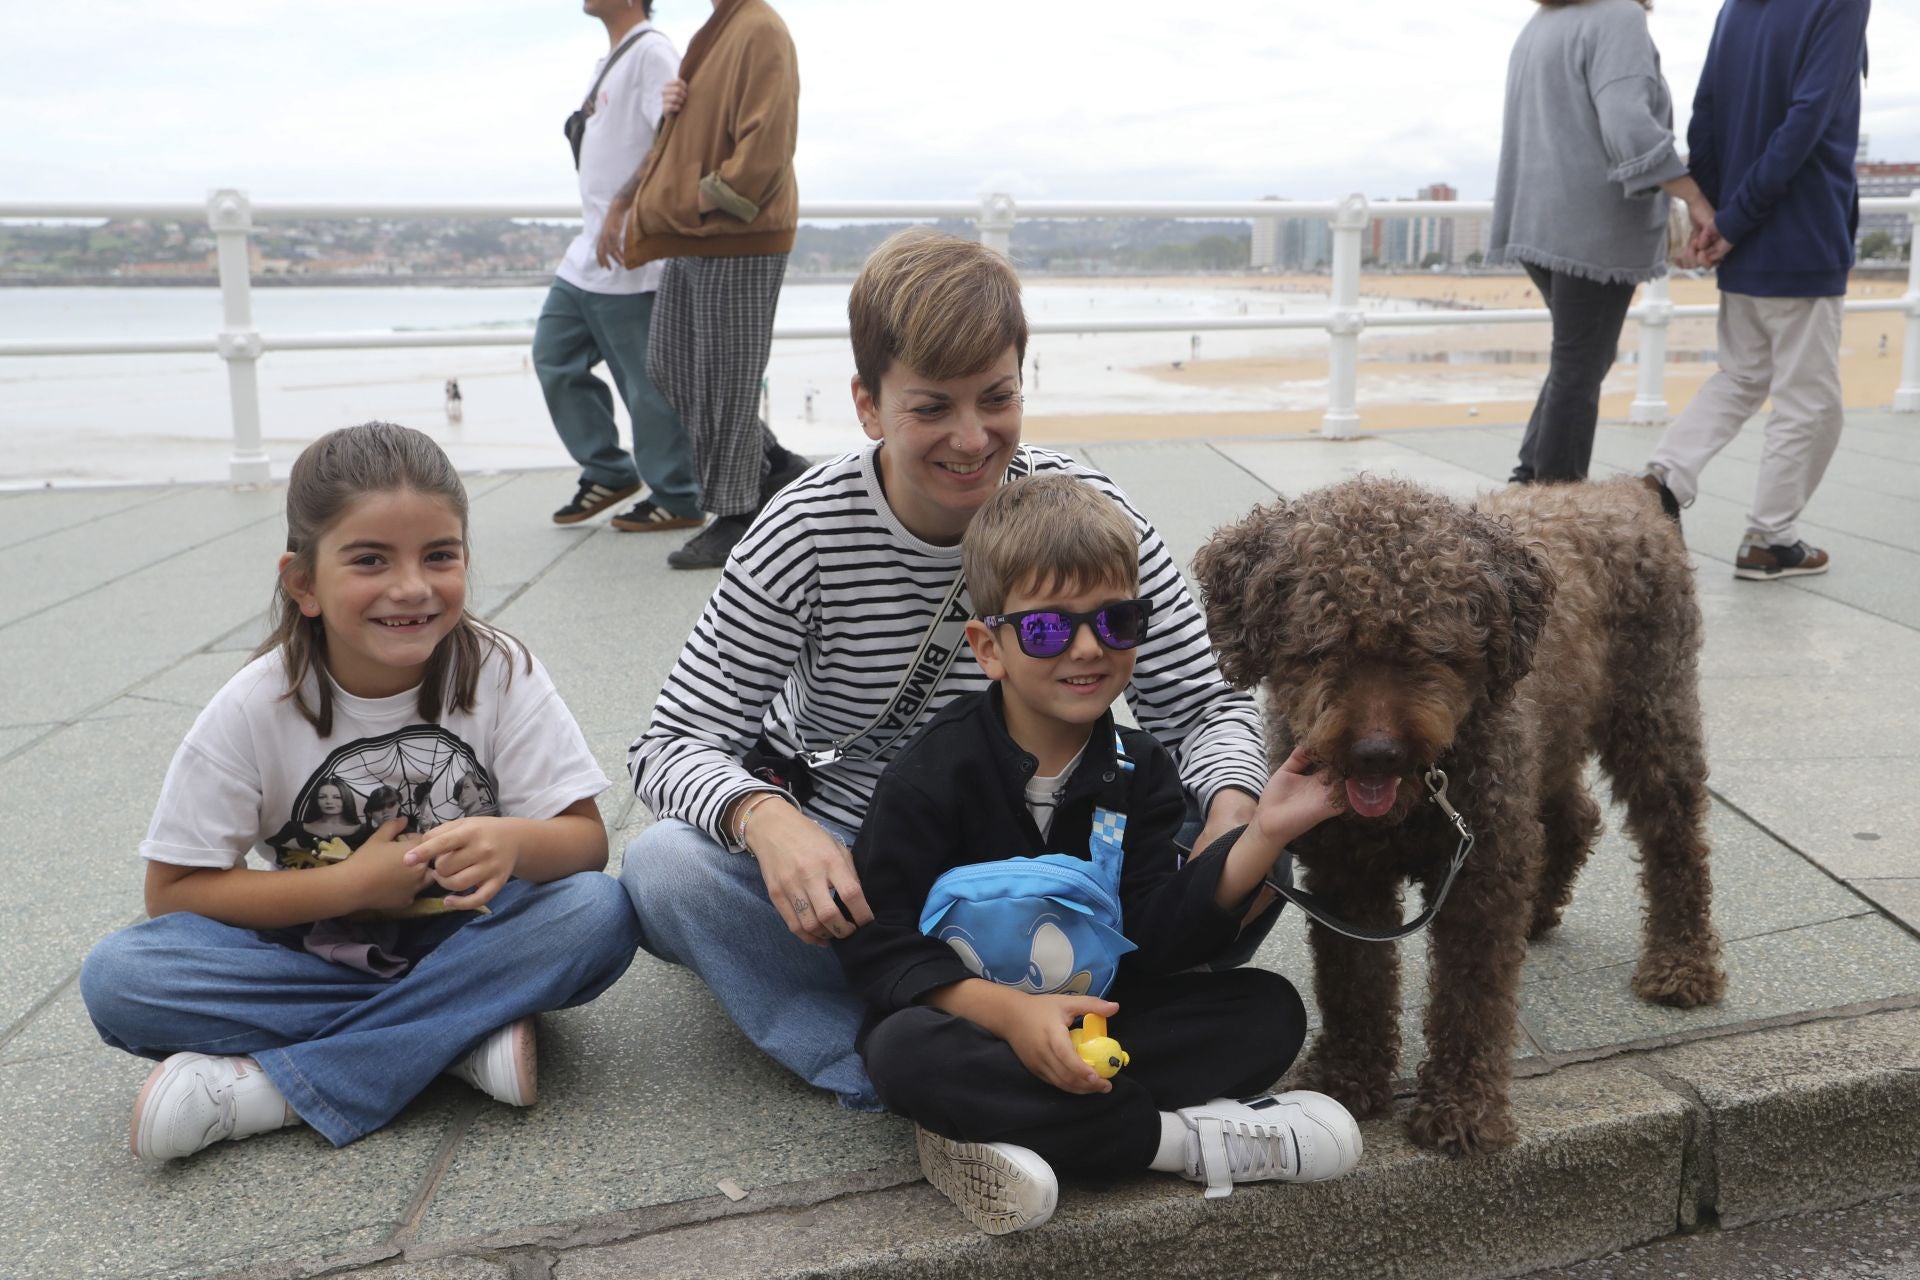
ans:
(1097, 1049)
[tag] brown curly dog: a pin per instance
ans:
(1395, 629)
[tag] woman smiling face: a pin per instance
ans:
(945, 443)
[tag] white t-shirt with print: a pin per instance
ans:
(252, 773)
(620, 131)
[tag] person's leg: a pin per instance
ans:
(707, 909)
(735, 301)
(621, 324)
(564, 354)
(671, 344)
(1804, 429)
(1523, 470)
(1722, 405)
(1196, 1036)
(1587, 317)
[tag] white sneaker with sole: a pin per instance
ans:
(193, 1100)
(1288, 1137)
(504, 1066)
(1000, 1187)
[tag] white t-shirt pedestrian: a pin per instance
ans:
(620, 133)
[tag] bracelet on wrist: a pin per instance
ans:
(747, 809)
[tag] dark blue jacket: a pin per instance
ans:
(1776, 124)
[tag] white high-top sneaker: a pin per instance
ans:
(1000, 1187)
(505, 1066)
(1288, 1137)
(193, 1100)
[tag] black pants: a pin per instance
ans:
(1587, 317)
(1190, 1037)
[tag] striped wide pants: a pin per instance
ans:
(712, 331)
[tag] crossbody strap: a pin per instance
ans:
(931, 661)
(586, 106)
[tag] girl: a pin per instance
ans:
(286, 996)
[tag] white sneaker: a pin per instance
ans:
(193, 1100)
(1000, 1187)
(504, 1066)
(1293, 1137)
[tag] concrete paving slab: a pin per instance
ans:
(1750, 631)
(1854, 1083)
(664, 1098)
(243, 638)
(1293, 467)
(58, 1029)
(43, 946)
(1841, 814)
(1829, 965)
(14, 737)
(1899, 898)
(1186, 492)
(30, 514)
(192, 681)
(1832, 717)
(1598, 1167)
(1489, 452)
(1882, 434)
(76, 1203)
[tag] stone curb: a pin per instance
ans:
(1616, 1153)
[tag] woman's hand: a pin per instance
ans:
(471, 858)
(804, 868)
(673, 96)
(385, 876)
(1036, 1029)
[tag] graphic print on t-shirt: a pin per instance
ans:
(422, 773)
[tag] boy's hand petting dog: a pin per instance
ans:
(1036, 1028)
(1297, 799)
(387, 876)
(471, 858)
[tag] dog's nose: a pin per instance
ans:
(1378, 755)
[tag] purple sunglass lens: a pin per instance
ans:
(1120, 626)
(1045, 635)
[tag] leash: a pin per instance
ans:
(1436, 780)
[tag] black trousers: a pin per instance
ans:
(1190, 1037)
(1587, 317)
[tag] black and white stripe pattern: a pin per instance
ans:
(819, 610)
(707, 348)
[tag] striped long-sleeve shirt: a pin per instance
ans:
(820, 610)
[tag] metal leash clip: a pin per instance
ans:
(1436, 781)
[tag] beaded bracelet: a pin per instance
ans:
(746, 812)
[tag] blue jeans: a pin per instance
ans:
(707, 909)
(349, 1050)
(575, 332)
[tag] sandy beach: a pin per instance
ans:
(1425, 378)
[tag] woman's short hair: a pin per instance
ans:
(1047, 532)
(942, 306)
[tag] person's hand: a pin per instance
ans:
(673, 96)
(1708, 245)
(804, 868)
(470, 858)
(610, 249)
(1296, 799)
(1035, 1027)
(386, 880)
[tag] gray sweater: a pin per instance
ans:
(1585, 144)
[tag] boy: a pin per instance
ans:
(967, 1031)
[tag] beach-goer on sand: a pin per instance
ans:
(1587, 161)
(973, 972)
(599, 311)
(267, 999)
(717, 200)
(819, 620)
(1774, 137)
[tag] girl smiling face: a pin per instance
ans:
(945, 443)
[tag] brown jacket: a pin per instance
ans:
(733, 141)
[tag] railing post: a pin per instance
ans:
(1649, 406)
(1345, 320)
(230, 215)
(997, 214)
(1906, 399)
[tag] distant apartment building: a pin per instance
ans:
(1291, 244)
(1886, 178)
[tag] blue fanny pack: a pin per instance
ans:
(1043, 924)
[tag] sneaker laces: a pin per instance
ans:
(1228, 1150)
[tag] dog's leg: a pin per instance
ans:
(1357, 986)
(1478, 943)
(1571, 822)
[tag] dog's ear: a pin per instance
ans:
(1246, 572)
(1522, 584)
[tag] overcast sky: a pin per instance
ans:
(901, 99)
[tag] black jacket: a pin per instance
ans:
(957, 795)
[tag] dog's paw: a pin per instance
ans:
(1363, 1089)
(1685, 981)
(1454, 1127)
(1543, 922)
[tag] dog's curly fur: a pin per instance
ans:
(1395, 629)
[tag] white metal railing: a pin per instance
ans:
(232, 216)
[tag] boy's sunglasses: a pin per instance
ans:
(1047, 633)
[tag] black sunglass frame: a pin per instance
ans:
(1090, 618)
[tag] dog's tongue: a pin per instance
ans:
(1371, 797)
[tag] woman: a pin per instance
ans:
(819, 620)
(1586, 151)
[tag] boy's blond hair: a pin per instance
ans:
(1047, 531)
(942, 306)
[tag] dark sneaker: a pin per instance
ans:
(1658, 487)
(591, 501)
(648, 516)
(1759, 562)
(708, 548)
(783, 468)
